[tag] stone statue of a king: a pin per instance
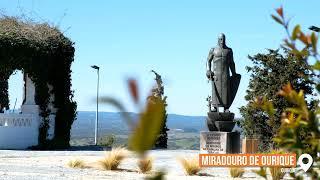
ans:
(224, 86)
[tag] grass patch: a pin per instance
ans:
(190, 165)
(236, 172)
(261, 172)
(113, 158)
(145, 164)
(76, 163)
(276, 173)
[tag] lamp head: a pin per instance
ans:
(314, 28)
(95, 67)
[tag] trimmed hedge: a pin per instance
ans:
(46, 55)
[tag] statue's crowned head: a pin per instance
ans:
(222, 40)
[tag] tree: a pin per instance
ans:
(158, 92)
(300, 125)
(269, 73)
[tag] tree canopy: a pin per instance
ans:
(270, 71)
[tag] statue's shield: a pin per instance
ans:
(234, 85)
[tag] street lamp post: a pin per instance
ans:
(97, 110)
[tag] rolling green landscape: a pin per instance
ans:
(183, 134)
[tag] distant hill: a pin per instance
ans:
(111, 122)
(183, 134)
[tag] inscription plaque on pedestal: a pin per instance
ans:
(219, 142)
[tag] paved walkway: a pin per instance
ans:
(52, 165)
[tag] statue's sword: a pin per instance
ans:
(214, 93)
(214, 90)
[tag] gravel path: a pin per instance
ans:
(52, 165)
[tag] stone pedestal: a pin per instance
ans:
(29, 105)
(30, 109)
(220, 121)
(216, 142)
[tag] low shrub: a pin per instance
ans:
(236, 172)
(113, 158)
(145, 164)
(107, 141)
(190, 165)
(76, 163)
(261, 172)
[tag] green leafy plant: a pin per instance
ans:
(147, 128)
(300, 124)
(269, 72)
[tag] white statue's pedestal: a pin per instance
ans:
(30, 109)
(34, 109)
(20, 131)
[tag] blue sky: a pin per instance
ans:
(129, 38)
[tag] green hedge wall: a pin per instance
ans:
(46, 55)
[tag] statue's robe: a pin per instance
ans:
(224, 87)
